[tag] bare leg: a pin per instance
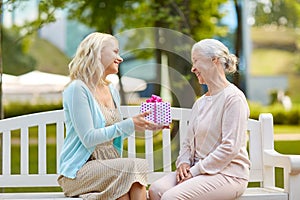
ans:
(137, 192)
(124, 197)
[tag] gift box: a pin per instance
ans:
(160, 111)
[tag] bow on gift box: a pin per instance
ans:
(154, 99)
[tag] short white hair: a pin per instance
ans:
(213, 48)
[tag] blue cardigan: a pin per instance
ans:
(85, 127)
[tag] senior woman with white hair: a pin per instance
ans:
(213, 163)
(91, 166)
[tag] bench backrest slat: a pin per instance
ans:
(24, 146)
(131, 146)
(149, 149)
(42, 145)
(6, 152)
(59, 140)
(255, 150)
(167, 159)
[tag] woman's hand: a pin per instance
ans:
(183, 173)
(141, 124)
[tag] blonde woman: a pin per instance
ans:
(91, 166)
(213, 163)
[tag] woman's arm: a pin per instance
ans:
(79, 104)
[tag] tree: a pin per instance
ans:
(101, 15)
(277, 12)
(13, 45)
(188, 17)
(15, 59)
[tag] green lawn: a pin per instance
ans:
(282, 129)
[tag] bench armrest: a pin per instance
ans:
(289, 162)
(291, 165)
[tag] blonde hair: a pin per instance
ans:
(86, 64)
(213, 48)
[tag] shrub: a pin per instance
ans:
(21, 108)
(280, 115)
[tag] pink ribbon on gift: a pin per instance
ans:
(154, 98)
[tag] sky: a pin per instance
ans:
(25, 11)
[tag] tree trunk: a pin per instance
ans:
(239, 40)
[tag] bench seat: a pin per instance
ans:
(36, 196)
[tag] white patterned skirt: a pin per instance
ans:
(106, 177)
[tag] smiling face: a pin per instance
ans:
(110, 57)
(201, 66)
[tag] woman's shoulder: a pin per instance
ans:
(235, 90)
(198, 102)
(76, 85)
(233, 93)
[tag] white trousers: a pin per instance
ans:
(201, 187)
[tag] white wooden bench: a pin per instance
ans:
(261, 148)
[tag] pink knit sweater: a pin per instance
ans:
(216, 140)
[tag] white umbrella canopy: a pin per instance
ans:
(37, 82)
(9, 79)
(42, 78)
(34, 82)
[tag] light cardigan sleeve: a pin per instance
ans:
(234, 122)
(84, 114)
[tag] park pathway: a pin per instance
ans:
(287, 137)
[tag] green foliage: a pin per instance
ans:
(48, 57)
(190, 19)
(198, 20)
(278, 12)
(31, 53)
(21, 108)
(15, 59)
(100, 15)
(280, 115)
